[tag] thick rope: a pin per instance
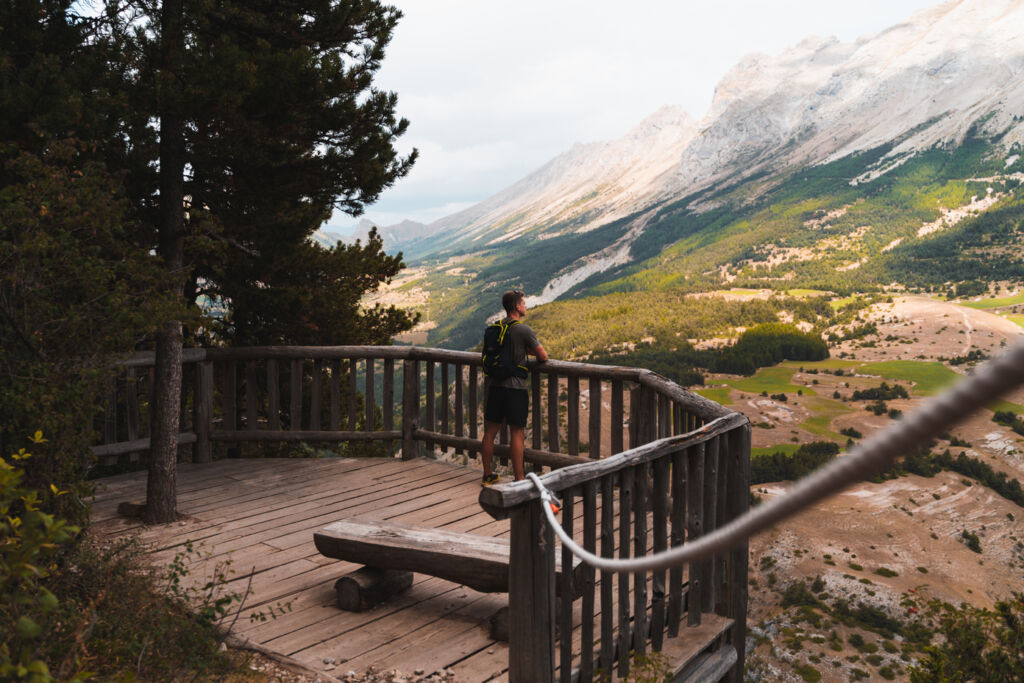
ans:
(869, 458)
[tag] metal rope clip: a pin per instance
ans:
(545, 494)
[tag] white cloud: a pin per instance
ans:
(495, 90)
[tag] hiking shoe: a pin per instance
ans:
(490, 479)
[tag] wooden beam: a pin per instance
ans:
(479, 562)
(497, 500)
(531, 656)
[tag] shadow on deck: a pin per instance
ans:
(260, 516)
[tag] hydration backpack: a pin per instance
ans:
(497, 354)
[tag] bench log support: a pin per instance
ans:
(367, 587)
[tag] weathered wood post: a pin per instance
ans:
(410, 407)
(531, 597)
(203, 415)
(738, 503)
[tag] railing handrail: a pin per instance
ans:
(501, 501)
(703, 407)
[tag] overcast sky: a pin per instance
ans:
(493, 90)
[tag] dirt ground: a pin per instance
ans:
(911, 527)
(930, 329)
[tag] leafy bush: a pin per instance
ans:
(986, 646)
(72, 604)
(30, 540)
(971, 540)
(1009, 419)
(883, 392)
(780, 466)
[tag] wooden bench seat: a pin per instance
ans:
(479, 562)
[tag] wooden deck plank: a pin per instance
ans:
(261, 514)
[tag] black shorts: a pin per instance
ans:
(507, 405)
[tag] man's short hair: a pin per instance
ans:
(511, 299)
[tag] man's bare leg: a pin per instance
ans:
(516, 436)
(487, 445)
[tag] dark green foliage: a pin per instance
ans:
(1009, 419)
(72, 297)
(972, 356)
(851, 432)
(797, 594)
(766, 345)
(878, 408)
(983, 472)
(971, 540)
(669, 363)
(780, 466)
(316, 298)
(970, 288)
(32, 540)
(283, 125)
(884, 392)
(866, 616)
(986, 646)
(761, 346)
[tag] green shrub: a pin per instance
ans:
(886, 572)
(807, 672)
(986, 646)
(971, 540)
(31, 541)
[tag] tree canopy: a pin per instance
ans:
(280, 124)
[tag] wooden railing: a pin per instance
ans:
(668, 467)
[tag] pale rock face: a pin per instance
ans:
(604, 179)
(921, 83)
(939, 73)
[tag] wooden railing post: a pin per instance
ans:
(738, 494)
(531, 597)
(410, 407)
(203, 412)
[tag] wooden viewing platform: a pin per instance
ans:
(664, 467)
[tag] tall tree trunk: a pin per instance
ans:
(161, 485)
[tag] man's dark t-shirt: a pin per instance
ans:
(523, 339)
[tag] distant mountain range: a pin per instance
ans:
(932, 106)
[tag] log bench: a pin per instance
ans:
(391, 551)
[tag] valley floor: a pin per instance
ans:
(880, 544)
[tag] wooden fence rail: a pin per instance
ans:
(641, 464)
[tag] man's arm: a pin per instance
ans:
(539, 351)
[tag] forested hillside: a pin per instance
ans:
(937, 221)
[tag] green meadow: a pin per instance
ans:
(995, 303)
(1016, 318)
(827, 364)
(787, 448)
(928, 377)
(719, 395)
(823, 411)
(774, 380)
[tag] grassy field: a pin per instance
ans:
(995, 303)
(928, 377)
(774, 380)
(807, 292)
(719, 395)
(827, 364)
(787, 448)
(1007, 405)
(823, 411)
(1016, 318)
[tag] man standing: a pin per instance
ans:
(508, 399)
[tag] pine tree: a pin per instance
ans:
(268, 121)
